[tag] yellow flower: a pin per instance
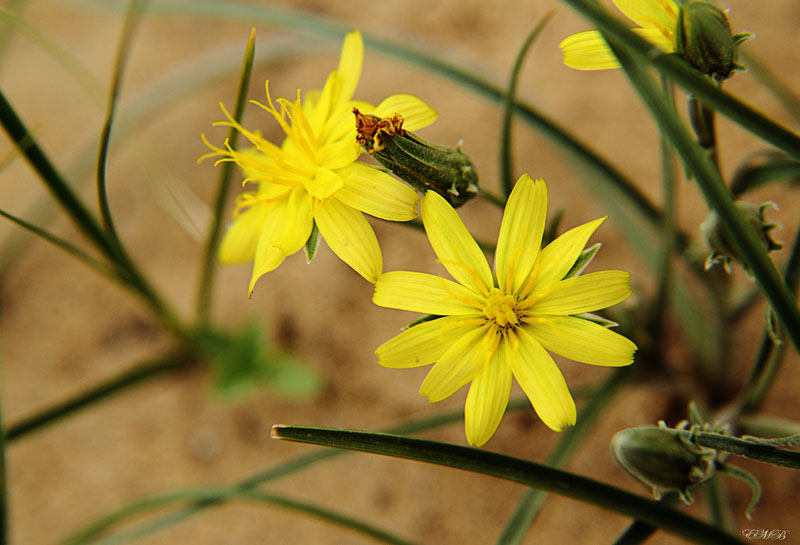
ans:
(492, 327)
(657, 20)
(313, 177)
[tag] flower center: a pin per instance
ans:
(501, 308)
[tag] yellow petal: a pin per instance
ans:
(341, 123)
(423, 343)
(661, 15)
(589, 51)
(268, 256)
(416, 113)
(582, 340)
(323, 183)
(240, 241)
(319, 113)
(351, 238)
(376, 193)
(521, 232)
(488, 398)
(456, 367)
(557, 258)
(338, 154)
(350, 66)
(585, 293)
(426, 293)
(543, 383)
(297, 223)
(454, 245)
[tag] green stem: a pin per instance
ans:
(511, 469)
(488, 196)
(223, 187)
(717, 502)
(533, 500)
(4, 531)
(506, 160)
(752, 450)
(639, 532)
(94, 395)
(715, 192)
(132, 19)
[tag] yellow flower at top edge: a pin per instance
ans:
(493, 327)
(313, 177)
(656, 20)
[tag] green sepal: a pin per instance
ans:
(583, 260)
(312, 244)
(422, 320)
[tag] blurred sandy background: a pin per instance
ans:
(63, 328)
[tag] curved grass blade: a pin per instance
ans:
(512, 469)
(506, 161)
(223, 185)
(214, 495)
(714, 190)
(59, 242)
(132, 20)
(98, 393)
(772, 81)
(686, 76)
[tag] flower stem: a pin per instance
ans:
(223, 186)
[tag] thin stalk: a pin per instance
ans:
(715, 192)
(488, 196)
(533, 500)
(506, 159)
(514, 470)
(223, 187)
(667, 247)
(4, 531)
(132, 19)
(83, 400)
(702, 119)
(639, 532)
(751, 449)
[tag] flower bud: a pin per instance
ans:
(703, 37)
(663, 458)
(424, 165)
(724, 250)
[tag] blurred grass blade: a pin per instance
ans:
(76, 252)
(714, 190)
(512, 469)
(506, 160)
(700, 87)
(52, 179)
(4, 531)
(216, 495)
(281, 470)
(764, 168)
(223, 186)
(95, 394)
(132, 19)
(533, 500)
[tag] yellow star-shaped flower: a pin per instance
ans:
(493, 327)
(314, 178)
(656, 20)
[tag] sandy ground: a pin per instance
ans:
(64, 328)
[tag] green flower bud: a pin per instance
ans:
(703, 37)
(724, 250)
(663, 459)
(424, 165)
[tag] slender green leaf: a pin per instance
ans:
(223, 185)
(511, 469)
(506, 160)
(772, 81)
(750, 448)
(95, 394)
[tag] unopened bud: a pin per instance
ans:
(663, 458)
(703, 37)
(424, 165)
(724, 250)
